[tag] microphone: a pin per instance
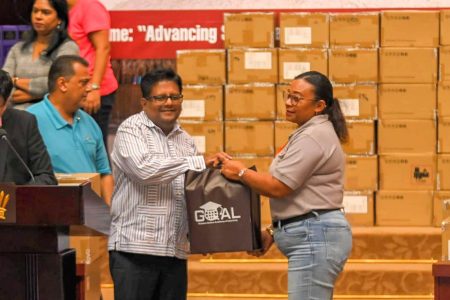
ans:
(3, 136)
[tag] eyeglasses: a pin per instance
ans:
(295, 99)
(177, 98)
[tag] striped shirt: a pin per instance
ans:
(148, 205)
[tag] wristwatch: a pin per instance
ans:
(95, 86)
(242, 172)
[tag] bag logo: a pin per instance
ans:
(4, 199)
(213, 213)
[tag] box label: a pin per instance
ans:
(297, 35)
(349, 107)
(258, 60)
(292, 69)
(193, 108)
(355, 204)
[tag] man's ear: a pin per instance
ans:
(143, 102)
(61, 83)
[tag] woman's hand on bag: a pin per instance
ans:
(267, 241)
(230, 169)
(217, 159)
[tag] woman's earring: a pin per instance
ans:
(58, 26)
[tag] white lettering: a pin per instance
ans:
(182, 34)
(199, 216)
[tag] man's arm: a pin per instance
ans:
(132, 156)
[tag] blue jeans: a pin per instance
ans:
(317, 249)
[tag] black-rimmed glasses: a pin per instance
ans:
(177, 98)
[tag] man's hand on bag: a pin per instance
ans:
(267, 241)
(215, 160)
(230, 169)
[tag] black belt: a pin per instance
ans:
(308, 215)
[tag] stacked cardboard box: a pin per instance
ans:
(353, 61)
(250, 92)
(407, 123)
(91, 251)
(203, 74)
(442, 195)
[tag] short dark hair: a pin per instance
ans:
(63, 67)
(6, 85)
(156, 75)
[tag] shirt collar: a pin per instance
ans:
(56, 118)
(310, 123)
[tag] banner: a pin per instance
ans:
(158, 34)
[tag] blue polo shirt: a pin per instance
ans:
(73, 148)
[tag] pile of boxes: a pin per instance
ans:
(391, 73)
(9, 35)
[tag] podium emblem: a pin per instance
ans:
(4, 199)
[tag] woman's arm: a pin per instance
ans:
(263, 183)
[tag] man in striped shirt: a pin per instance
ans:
(151, 153)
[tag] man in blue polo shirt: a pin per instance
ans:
(73, 139)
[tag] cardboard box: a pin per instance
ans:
(441, 207)
(88, 279)
(359, 208)
(255, 29)
(404, 208)
(353, 65)
(361, 173)
(107, 291)
(407, 101)
(252, 65)
(443, 100)
(202, 102)
(262, 164)
(407, 171)
(445, 27)
(281, 107)
(293, 62)
(78, 178)
(444, 135)
(246, 138)
(208, 136)
(361, 137)
(408, 65)
(304, 30)
(250, 101)
(406, 136)
(443, 172)
(444, 63)
(409, 28)
(89, 248)
(445, 239)
(201, 66)
(283, 129)
(355, 30)
(357, 101)
(266, 218)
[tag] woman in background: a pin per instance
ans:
(305, 186)
(29, 60)
(89, 28)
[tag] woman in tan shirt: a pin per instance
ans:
(305, 186)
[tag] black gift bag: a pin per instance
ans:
(223, 215)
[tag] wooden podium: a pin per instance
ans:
(35, 259)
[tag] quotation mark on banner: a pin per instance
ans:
(142, 28)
